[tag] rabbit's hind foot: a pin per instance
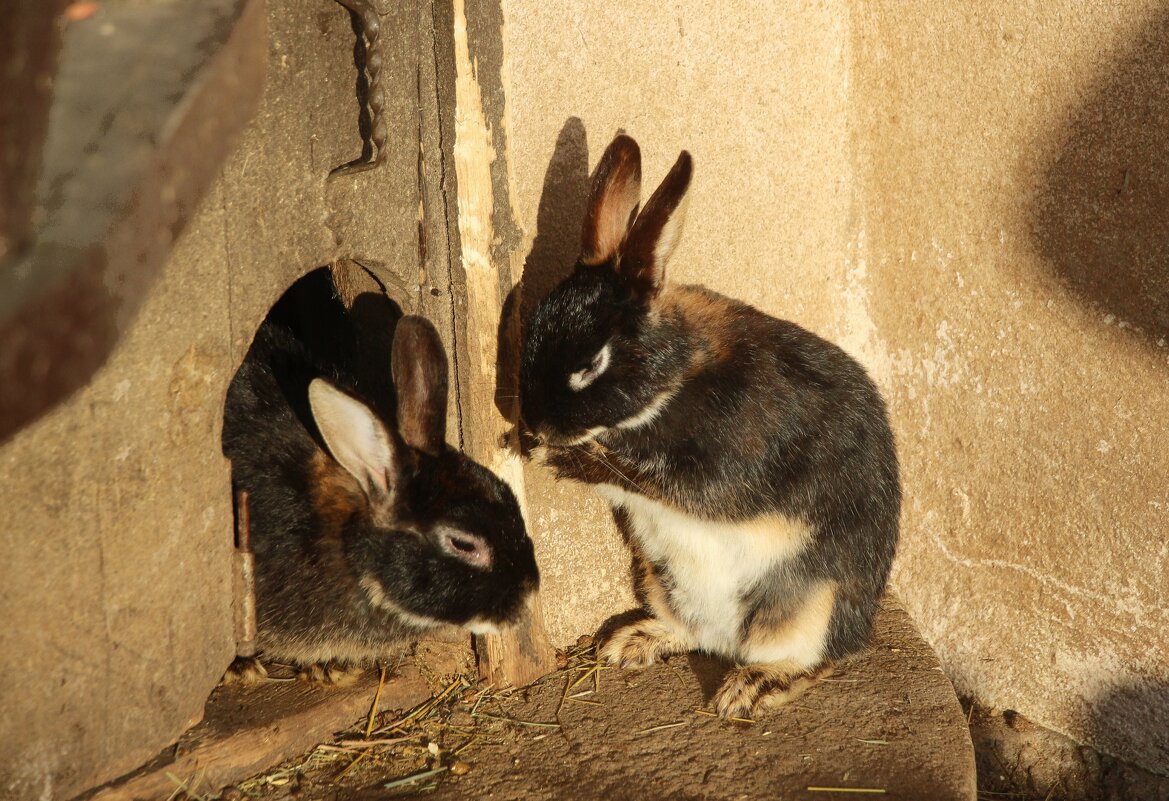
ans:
(329, 674)
(749, 688)
(245, 671)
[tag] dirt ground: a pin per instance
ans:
(1021, 761)
(886, 723)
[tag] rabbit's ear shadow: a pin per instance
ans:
(375, 317)
(563, 201)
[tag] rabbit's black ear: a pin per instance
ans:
(419, 367)
(613, 201)
(356, 439)
(655, 233)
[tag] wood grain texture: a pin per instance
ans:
(522, 653)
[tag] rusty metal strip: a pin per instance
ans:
(375, 98)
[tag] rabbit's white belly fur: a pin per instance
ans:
(712, 563)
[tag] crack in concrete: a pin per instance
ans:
(446, 209)
(1138, 614)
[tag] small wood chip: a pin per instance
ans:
(76, 12)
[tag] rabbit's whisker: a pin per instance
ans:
(601, 456)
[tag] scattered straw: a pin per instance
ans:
(423, 709)
(596, 668)
(359, 744)
(576, 700)
(351, 765)
(373, 708)
(872, 742)
(340, 749)
(662, 727)
(518, 722)
(482, 694)
(710, 714)
(186, 787)
(426, 774)
(871, 790)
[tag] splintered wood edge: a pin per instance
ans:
(519, 655)
(221, 754)
(522, 653)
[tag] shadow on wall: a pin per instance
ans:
(1134, 719)
(1102, 213)
(553, 254)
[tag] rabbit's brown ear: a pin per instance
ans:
(613, 201)
(419, 368)
(655, 233)
(356, 439)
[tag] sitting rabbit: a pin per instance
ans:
(367, 527)
(749, 461)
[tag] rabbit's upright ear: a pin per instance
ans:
(419, 367)
(356, 439)
(613, 200)
(655, 233)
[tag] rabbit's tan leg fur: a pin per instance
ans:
(752, 687)
(640, 644)
(659, 634)
(784, 656)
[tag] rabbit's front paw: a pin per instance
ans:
(639, 645)
(752, 687)
(329, 674)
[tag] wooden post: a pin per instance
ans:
(523, 653)
(244, 579)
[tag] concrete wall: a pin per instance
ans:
(115, 528)
(972, 200)
(1016, 237)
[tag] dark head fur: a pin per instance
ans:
(597, 353)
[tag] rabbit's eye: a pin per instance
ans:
(466, 547)
(587, 374)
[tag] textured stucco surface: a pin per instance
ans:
(1016, 232)
(973, 201)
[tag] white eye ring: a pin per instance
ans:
(582, 378)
